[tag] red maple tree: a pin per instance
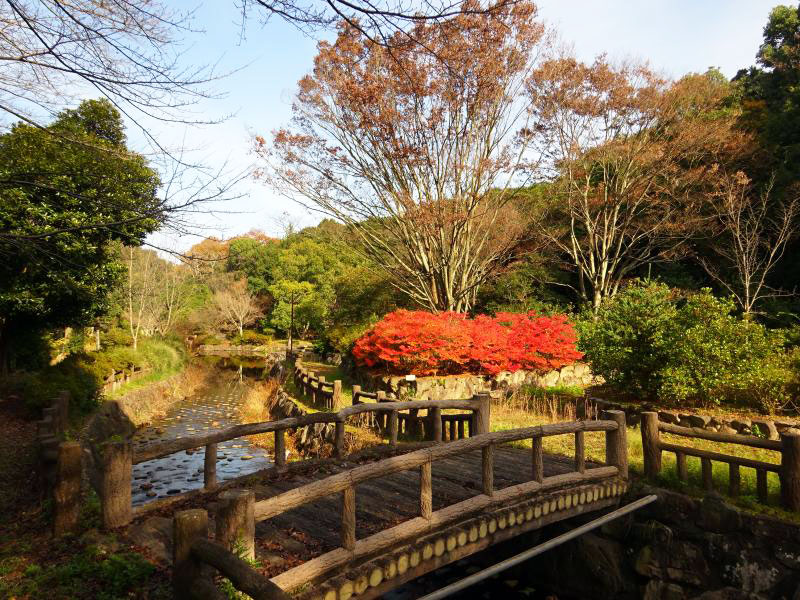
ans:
(447, 343)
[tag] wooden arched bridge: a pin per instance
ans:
(365, 528)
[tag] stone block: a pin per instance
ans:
(700, 421)
(668, 417)
(766, 428)
(661, 590)
(742, 425)
(681, 562)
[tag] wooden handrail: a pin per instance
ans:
(196, 441)
(345, 483)
(714, 436)
(281, 503)
(726, 458)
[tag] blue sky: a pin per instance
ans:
(675, 36)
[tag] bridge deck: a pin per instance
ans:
(311, 530)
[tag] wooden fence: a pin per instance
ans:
(433, 425)
(190, 527)
(118, 457)
(118, 378)
(788, 446)
(60, 464)
(315, 387)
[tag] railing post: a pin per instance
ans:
(349, 518)
(617, 442)
(356, 392)
(236, 523)
(487, 464)
(580, 452)
(210, 467)
(338, 445)
(322, 393)
(187, 527)
(393, 418)
(337, 393)
(651, 444)
(67, 492)
(483, 420)
(436, 424)
(62, 403)
(425, 491)
(312, 390)
(115, 486)
(537, 460)
(381, 397)
(280, 449)
(790, 469)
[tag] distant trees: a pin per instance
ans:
(236, 305)
(419, 148)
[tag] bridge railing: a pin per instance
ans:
(345, 484)
(118, 457)
(788, 446)
(434, 425)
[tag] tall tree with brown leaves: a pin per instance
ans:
(417, 146)
(632, 156)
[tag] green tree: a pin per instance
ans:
(62, 207)
(256, 259)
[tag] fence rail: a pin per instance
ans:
(250, 512)
(118, 378)
(317, 388)
(119, 457)
(788, 470)
(448, 428)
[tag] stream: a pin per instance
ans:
(213, 408)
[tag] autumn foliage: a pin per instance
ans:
(426, 343)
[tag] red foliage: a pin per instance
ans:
(425, 343)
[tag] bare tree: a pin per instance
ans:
(139, 291)
(630, 151)
(236, 305)
(752, 235)
(417, 146)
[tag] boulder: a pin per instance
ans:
(766, 428)
(668, 417)
(694, 421)
(681, 562)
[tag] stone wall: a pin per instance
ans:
(458, 387)
(676, 548)
(755, 425)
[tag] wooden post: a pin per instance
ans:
(393, 428)
(425, 491)
(337, 394)
(383, 417)
(537, 460)
(580, 453)
(680, 465)
(790, 469)
(461, 435)
(761, 485)
(312, 391)
(62, 403)
(349, 518)
(488, 469)
(617, 442)
(236, 525)
(338, 446)
(706, 473)
(436, 424)
(187, 527)
(116, 459)
(51, 413)
(280, 449)
(651, 444)
(356, 392)
(67, 492)
(483, 422)
(734, 480)
(210, 467)
(322, 393)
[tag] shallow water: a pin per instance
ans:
(213, 409)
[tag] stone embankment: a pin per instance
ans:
(677, 548)
(309, 439)
(453, 387)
